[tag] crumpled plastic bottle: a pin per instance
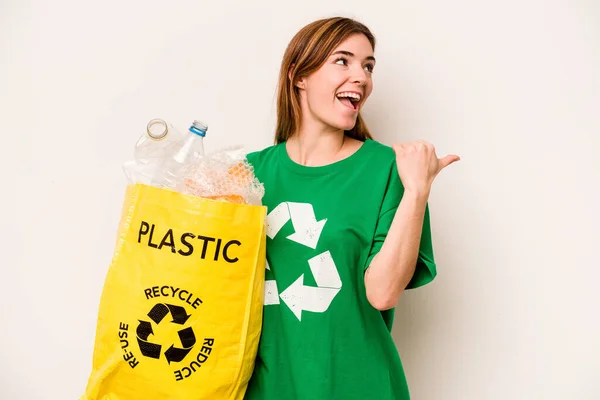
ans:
(153, 147)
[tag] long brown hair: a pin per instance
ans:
(307, 51)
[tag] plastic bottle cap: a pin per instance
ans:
(200, 125)
(157, 129)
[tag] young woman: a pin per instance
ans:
(348, 227)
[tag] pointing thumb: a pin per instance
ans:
(444, 162)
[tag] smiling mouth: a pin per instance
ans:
(349, 99)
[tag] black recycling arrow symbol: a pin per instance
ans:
(174, 354)
(188, 339)
(186, 336)
(148, 349)
(158, 312)
(144, 330)
(179, 314)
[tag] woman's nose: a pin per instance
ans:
(359, 76)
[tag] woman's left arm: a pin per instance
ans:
(393, 267)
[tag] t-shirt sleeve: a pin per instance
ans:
(251, 158)
(425, 270)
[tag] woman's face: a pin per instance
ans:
(333, 95)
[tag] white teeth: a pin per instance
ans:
(355, 96)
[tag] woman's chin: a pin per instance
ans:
(347, 124)
(342, 123)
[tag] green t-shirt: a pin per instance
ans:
(321, 337)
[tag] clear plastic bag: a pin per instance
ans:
(223, 175)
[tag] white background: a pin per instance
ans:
(513, 87)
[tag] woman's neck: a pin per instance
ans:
(316, 147)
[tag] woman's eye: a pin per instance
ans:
(341, 61)
(369, 67)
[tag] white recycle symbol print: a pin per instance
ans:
(307, 231)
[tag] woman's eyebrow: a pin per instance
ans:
(350, 54)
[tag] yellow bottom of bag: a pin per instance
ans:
(181, 309)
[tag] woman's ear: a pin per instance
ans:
(299, 82)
